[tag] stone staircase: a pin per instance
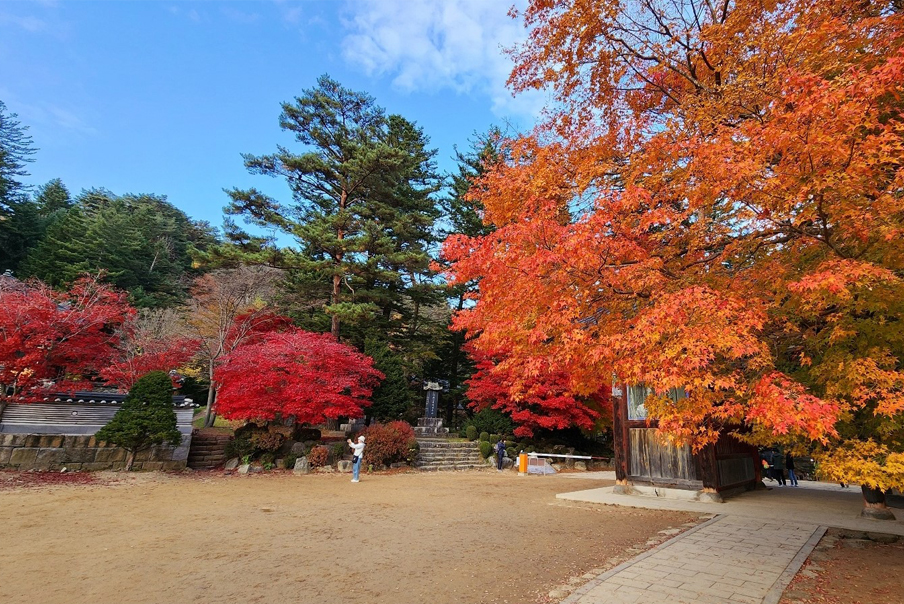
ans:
(439, 453)
(208, 451)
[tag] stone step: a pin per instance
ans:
(451, 468)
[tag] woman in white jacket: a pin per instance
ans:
(358, 452)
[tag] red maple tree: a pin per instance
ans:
(293, 372)
(49, 336)
(534, 400)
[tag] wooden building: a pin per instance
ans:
(643, 458)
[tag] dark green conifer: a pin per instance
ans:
(146, 418)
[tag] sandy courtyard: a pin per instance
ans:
(402, 539)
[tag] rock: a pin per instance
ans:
(882, 537)
(580, 465)
(326, 469)
(507, 463)
(851, 534)
(877, 513)
(559, 593)
(279, 463)
(345, 466)
(297, 449)
(669, 531)
(63, 470)
(243, 469)
(575, 580)
(302, 466)
(255, 469)
(232, 464)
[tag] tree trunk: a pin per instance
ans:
(130, 460)
(209, 416)
(334, 326)
(874, 504)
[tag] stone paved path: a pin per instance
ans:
(726, 559)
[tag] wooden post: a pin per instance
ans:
(709, 470)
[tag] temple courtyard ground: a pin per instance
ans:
(477, 537)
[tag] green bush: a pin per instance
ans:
(494, 438)
(239, 447)
(289, 461)
(471, 433)
(146, 417)
(512, 452)
(267, 460)
(486, 449)
(490, 421)
(414, 449)
(485, 436)
(338, 450)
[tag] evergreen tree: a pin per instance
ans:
(18, 224)
(463, 213)
(362, 215)
(15, 152)
(393, 397)
(146, 417)
(143, 243)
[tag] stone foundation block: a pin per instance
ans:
(23, 456)
(48, 458)
(51, 441)
(80, 455)
(5, 452)
(110, 455)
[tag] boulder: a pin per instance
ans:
(297, 449)
(580, 465)
(232, 464)
(326, 469)
(507, 463)
(345, 466)
(882, 537)
(302, 466)
(244, 468)
(256, 468)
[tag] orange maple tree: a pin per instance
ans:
(713, 202)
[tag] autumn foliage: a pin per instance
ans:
(57, 336)
(388, 443)
(293, 372)
(533, 401)
(713, 202)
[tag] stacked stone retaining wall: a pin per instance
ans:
(83, 452)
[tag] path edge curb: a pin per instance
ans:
(784, 580)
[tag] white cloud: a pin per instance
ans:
(30, 24)
(432, 45)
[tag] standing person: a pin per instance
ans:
(789, 463)
(768, 459)
(358, 454)
(500, 453)
(778, 467)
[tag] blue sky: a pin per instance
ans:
(163, 97)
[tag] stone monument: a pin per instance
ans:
(430, 425)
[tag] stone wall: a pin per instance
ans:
(83, 452)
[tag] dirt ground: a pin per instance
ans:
(406, 538)
(850, 571)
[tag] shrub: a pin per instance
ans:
(387, 443)
(289, 461)
(267, 441)
(486, 449)
(267, 460)
(146, 417)
(512, 452)
(338, 450)
(319, 456)
(471, 433)
(494, 438)
(414, 449)
(239, 447)
(490, 420)
(485, 436)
